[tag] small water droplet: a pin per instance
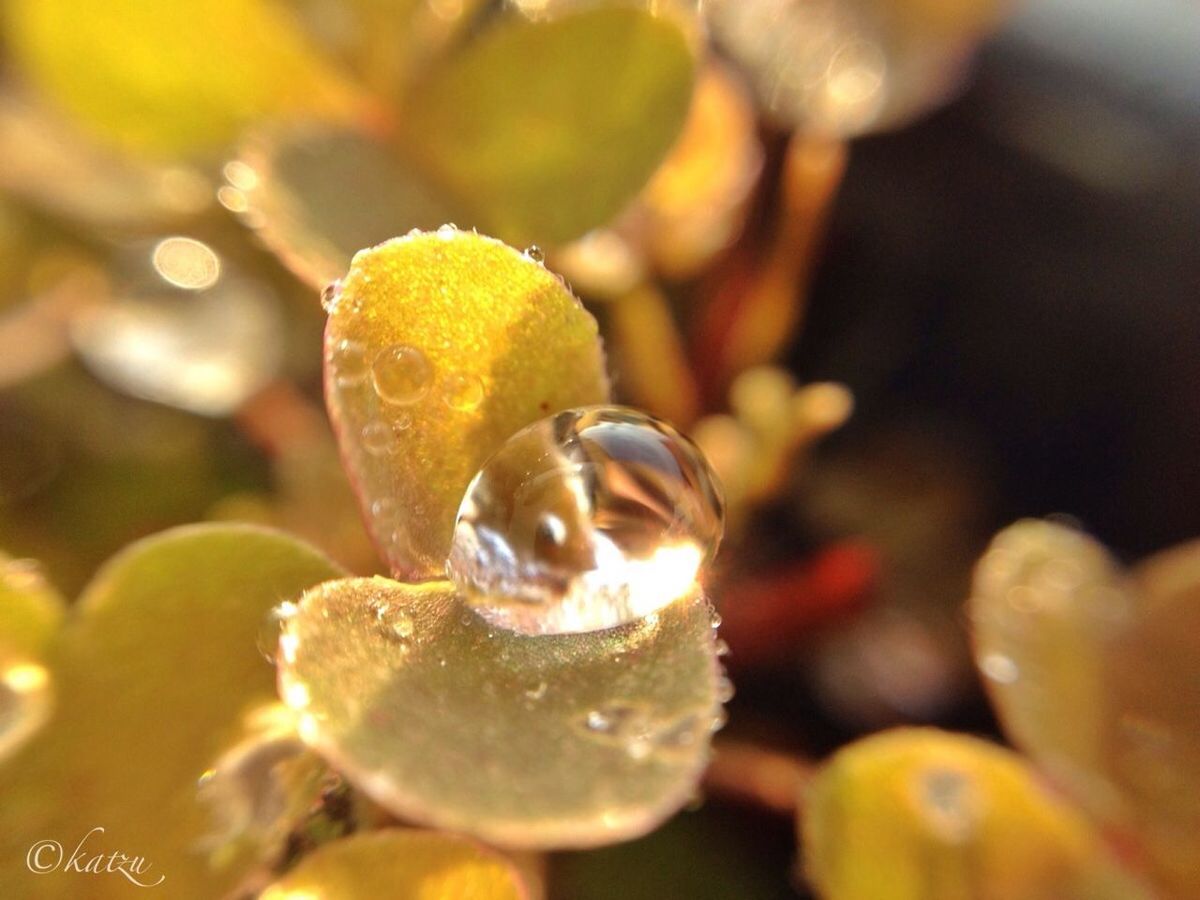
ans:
(725, 690)
(716, 620)
(999, 668)
(377, 438)
(330, 296)
(590, 519)
(721, 648)
(462, 392)
(402, 421)
(402, 626)
(384, 509)
(947, 799)
(349, 363)
(538, 692)
(401, 374)
(535, 253)
(447, 231)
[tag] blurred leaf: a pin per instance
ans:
(30, 609)
(546, 741)
(171, 78)
(153, 673)
(400, 864)
(549, 129)
(316, 196)
(923, 814)
(440, 347)
(1096, 673)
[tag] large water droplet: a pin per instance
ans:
(586, 520)
(463, 392)
(401, 374)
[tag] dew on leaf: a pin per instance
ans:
(590, 519)
(401, 374)
(378, 438)
(399, 718)
(462, 392)
(330, 296)
(348, 363)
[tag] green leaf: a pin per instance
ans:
(548, 129)
(547, 741)
(439, 348)
(154, 672)
(172, 78)
(398, 864)
(921, 814)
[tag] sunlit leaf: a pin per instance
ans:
(438, 349)
(153, 672)
(546, 130)
(171, 78)
(1096, 673)
(30, 608)
(398, 864)
(928, 815)
(554, 740)
(316, 196)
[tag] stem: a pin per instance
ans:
(753, 775)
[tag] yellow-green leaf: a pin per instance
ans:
(171, 78)
(439, 348)
(30, 609)
(401, 864)
(920, 814)
(546, 741)
(549, 129)
(154, 672)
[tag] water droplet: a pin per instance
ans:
(538, 692)
(25, 700)
(535, 253)
(384, 509)
(948, 802)
(401, 374)
(725, 690)
(721, 648)
(447, 231)
(377, 438)
(349, 363)
(402, 626)
(587, 520)
(330, 296)
(463, 392)
(999, 667)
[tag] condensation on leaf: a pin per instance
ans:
(301, 190)
(400, 864)
(547, 741)
(546, 130)
(172, 79)
(487, 341)
(160, 653)
(920, 814)
(1096, 673)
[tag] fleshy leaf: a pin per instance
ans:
(439, 347)
(171, 78)
(1095, 672)
(400, 864)
(923, 814)
(549, 129)
(154, 672)
(315, 196)
(30, 609)
(547, 741)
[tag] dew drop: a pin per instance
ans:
(377, 438)
(535, 253)
(401, 374)
(463, 392)
(537, 693)
(447, 231)
(268, 636)
(330, 296)
(349, 363)
(725, 689)
(587, 520)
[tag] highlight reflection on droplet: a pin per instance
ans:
(586, 520)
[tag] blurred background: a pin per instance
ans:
(1005, 277)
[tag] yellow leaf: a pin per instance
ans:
(400, 864)
(171, 78)
(920, 814)
(439, 348)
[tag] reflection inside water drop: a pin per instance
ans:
(587, 520)
(24, 703)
